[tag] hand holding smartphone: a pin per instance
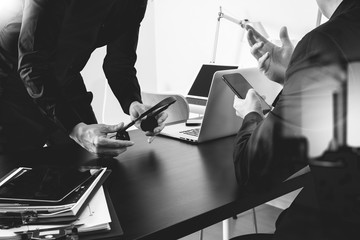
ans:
(240, 86)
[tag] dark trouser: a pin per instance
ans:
(22, 126)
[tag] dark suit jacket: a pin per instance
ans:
(300, 126)
(334, 44)
(56, 39)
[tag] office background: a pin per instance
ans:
(177, 37)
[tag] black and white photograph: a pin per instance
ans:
(184, 120)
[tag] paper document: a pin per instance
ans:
(8, 235)
(94, 217)
(68, 207)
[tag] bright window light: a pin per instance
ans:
(9, 9)
(9, 5)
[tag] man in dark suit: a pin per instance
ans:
(43, 49)
(268, 149)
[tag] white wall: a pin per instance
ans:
(177, 37)
(185, 33)
(9, 9)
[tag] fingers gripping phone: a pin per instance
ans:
(240, 86)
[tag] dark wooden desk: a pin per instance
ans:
(167, 189)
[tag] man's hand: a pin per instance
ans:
(272, 60)
(136, 109)
(250, 104)
(96, 139)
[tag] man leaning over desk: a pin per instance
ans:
(43, 48)
(319, 60)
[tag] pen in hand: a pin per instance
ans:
(151, 139)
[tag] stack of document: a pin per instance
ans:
(94, 218)
(60, 196)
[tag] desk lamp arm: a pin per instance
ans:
(242, 23)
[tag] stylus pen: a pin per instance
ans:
(151, 139)
(137, 119)
(129, 124)
(134, 121)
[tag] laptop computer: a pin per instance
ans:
(199, 91)
(219, 119)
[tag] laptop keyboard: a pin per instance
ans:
(192, 132)
(197, 101)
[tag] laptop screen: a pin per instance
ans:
(201, 85)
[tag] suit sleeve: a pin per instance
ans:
(119, 63)
(59, 92)
(256, 159)
(120, 71)
(37, 45)
(37, 42)
(270, 150)
(241, 161)
(267, 151)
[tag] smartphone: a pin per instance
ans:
(240, 86)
